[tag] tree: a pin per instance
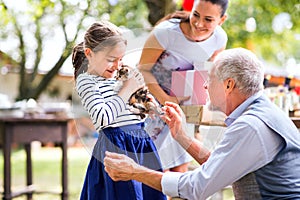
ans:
(274, 46)
(40, 21)
(158, 9)
(36, 23)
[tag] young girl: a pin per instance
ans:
(96, 61)
(178, 45)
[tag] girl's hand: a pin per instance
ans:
(135, 82)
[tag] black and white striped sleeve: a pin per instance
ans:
(101, 102)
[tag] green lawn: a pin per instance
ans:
(47, 171)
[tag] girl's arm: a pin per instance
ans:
(102, 102)
(94, 98)
(131, 85)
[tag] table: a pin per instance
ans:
(296, 121)
(24, 131)
(195, 114)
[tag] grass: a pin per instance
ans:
(47, 171)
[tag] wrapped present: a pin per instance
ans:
(190, 83)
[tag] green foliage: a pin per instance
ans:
(271, 46)
(134, 13)
(39, 23)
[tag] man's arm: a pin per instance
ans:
(122, 168)
(176, 121)
(194, 148)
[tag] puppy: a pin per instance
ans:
(142, 100)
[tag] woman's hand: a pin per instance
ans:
(179, 14)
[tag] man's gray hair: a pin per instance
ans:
(243, 66)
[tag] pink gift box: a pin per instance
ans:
(190, 83)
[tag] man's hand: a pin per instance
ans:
(119, 167)
(175, 119)
(122, 168)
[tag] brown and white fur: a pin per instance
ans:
(141, 100)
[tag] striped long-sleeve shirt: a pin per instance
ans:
(100, 98)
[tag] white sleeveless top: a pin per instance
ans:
(181, 52)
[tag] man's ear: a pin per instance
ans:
(229, 84)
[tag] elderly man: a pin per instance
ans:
(259, 154)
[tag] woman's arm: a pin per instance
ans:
(151, 52)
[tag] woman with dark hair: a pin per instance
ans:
(179, 45)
